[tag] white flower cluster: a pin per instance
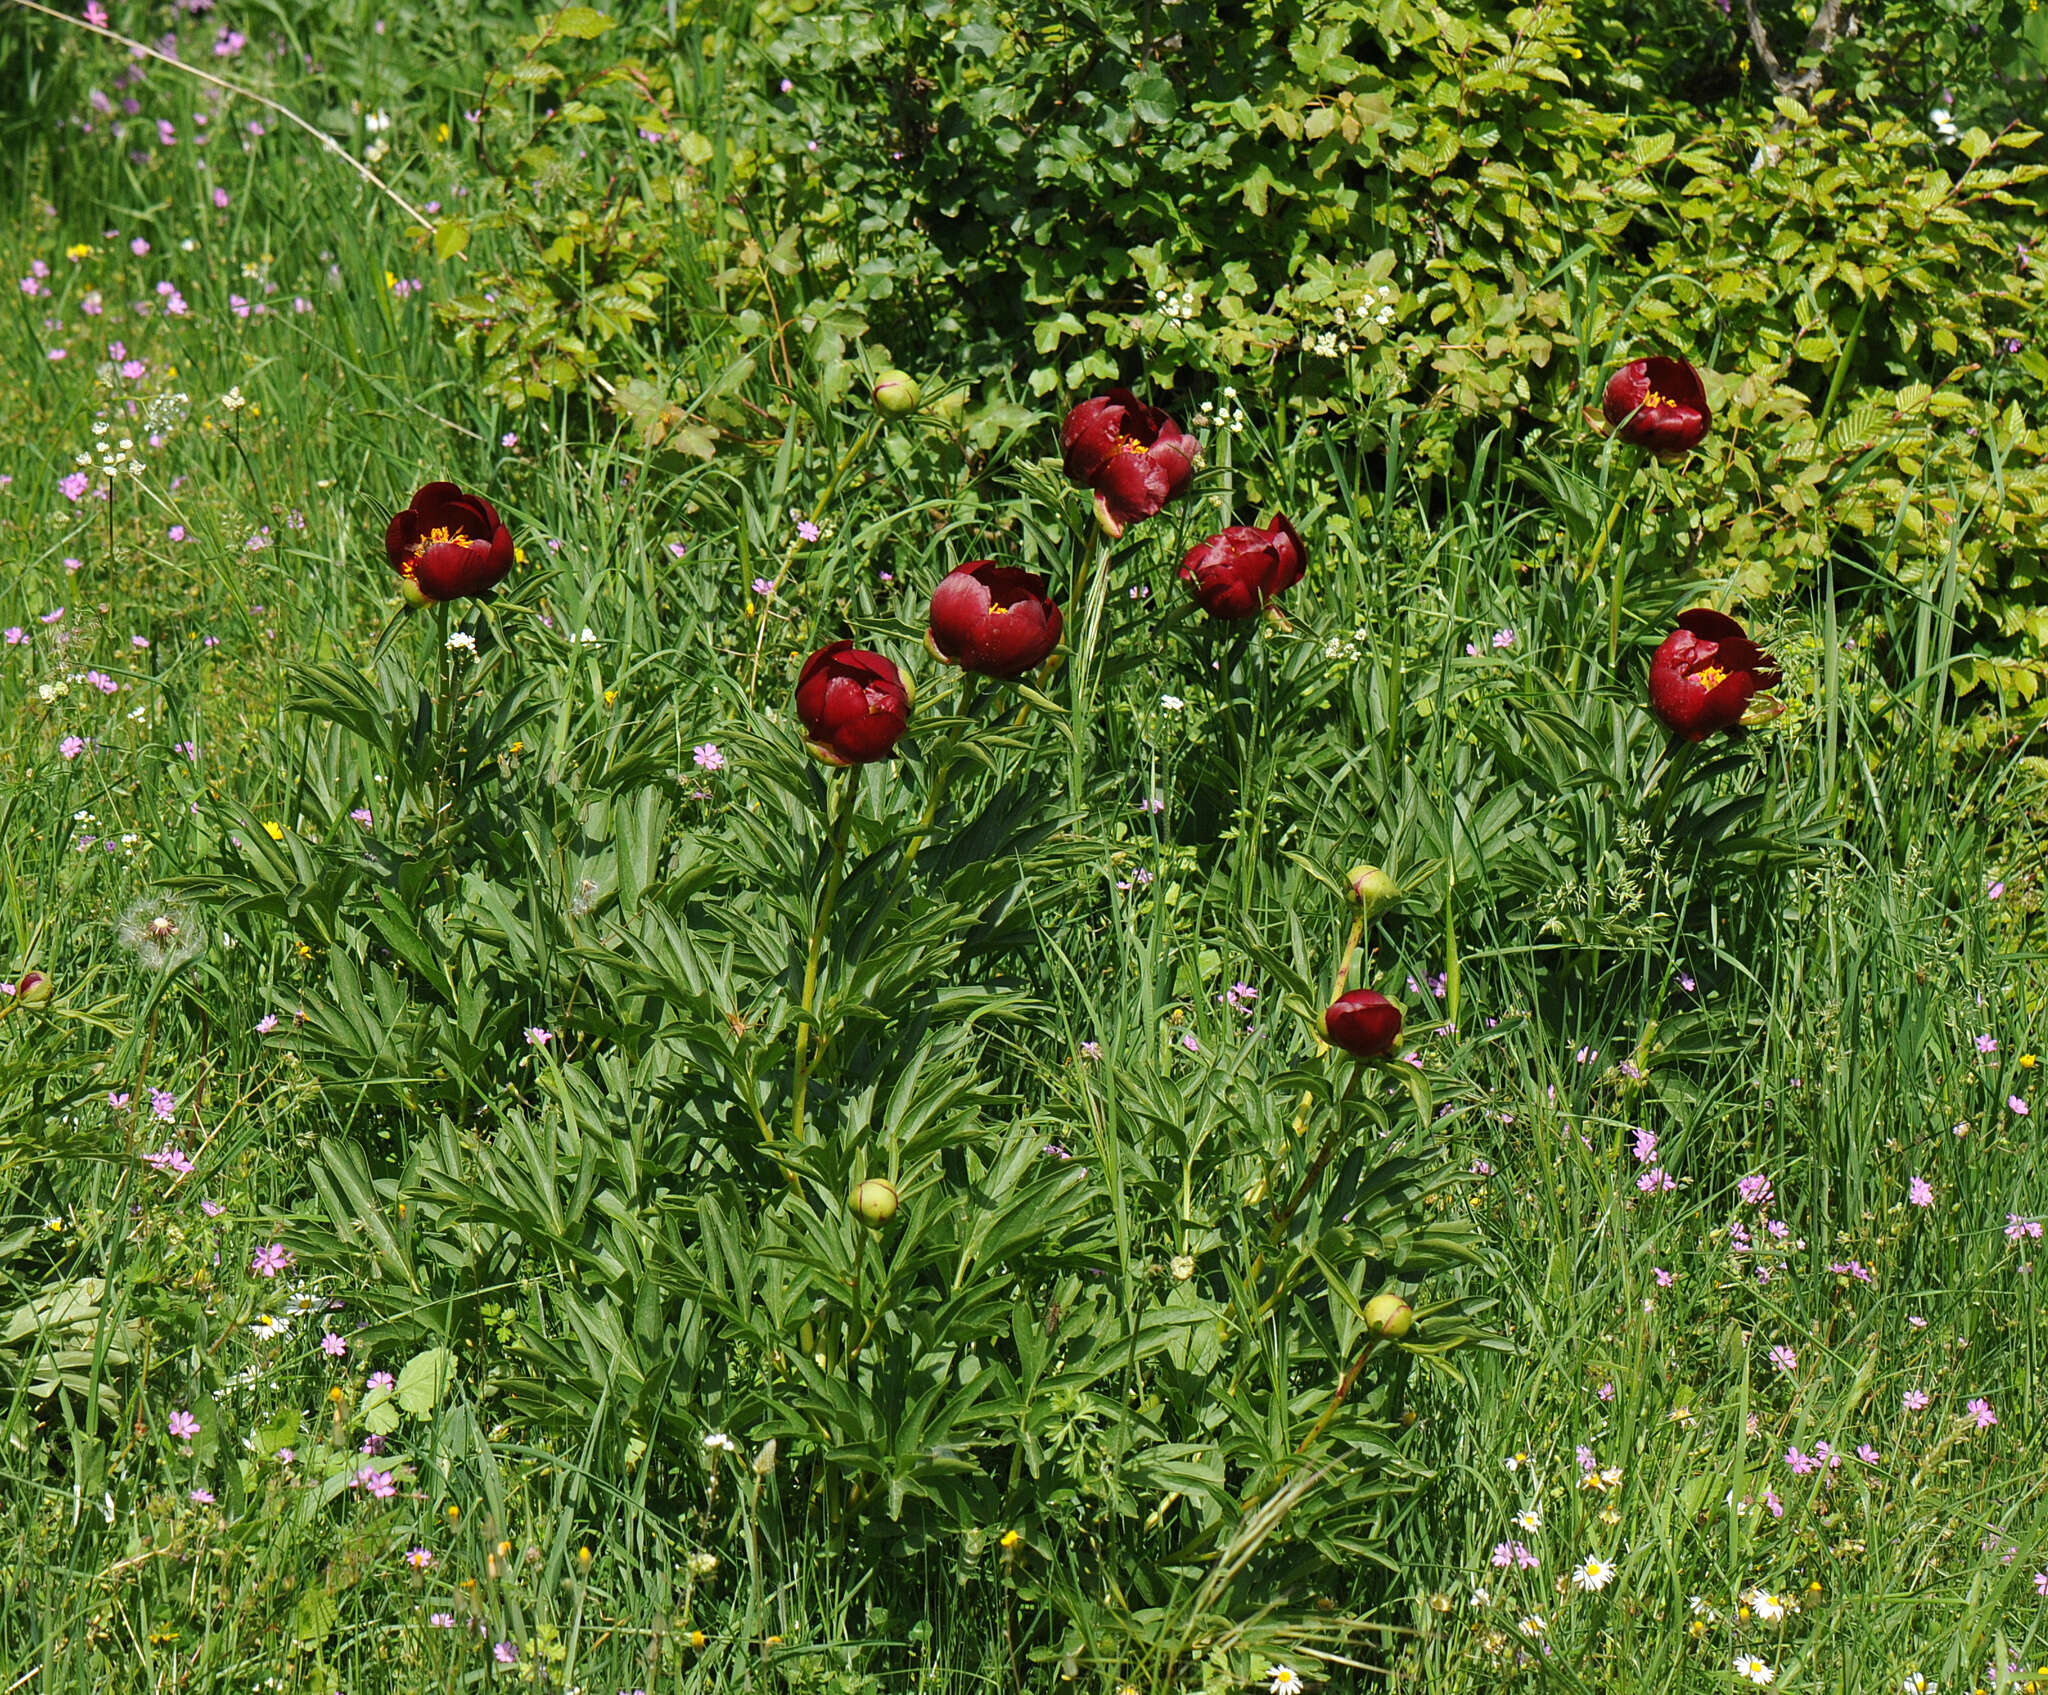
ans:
(165, 413)
(113, 458)
(1335, 342)
(1229, 415)
(1179, 306)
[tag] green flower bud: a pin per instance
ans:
(33, 990)
(1371, 887)
(1388, 1317)
(896, 393)
(876, 1201)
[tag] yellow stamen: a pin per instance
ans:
(438, 535)
(1711, 678)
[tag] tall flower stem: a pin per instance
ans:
(942, 773)
(1285, 1216)
(828, 896)
(1345, 1384)
(444, 714)
(1093, 586)
(941, 768)
(1593, 562)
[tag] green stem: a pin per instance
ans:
(942, 771)
(1451, 949)
(1344, 1388)
(852, 453)
(1322, 1159)
(1607, 528)
(835, 864)
(970, 689)
(1593, 559)
(1827, 410)
(1094, 587)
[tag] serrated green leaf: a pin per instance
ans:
(582, 23)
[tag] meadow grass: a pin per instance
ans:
(1734, 1048)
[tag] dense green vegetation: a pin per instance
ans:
(516, 1172)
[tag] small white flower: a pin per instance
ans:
(1172, 702)
(1531, 1518)
(377, 122)
(269, 1325)
(1915, 1684)
(587, 637)
(1515, 1461)
(1592, 1573)
(1749, 1666)
(703, 1564)
(1283, 1680)
(1182, 1266)
(722, 1442)
(1482, 1596)
(233, 400)
(1767, 1606)
(461, 641)
(1533, 1625)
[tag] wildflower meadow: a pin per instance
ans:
(1161, 848)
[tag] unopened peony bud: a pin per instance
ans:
(1364, 1023)
(412, 594)
(876, 1201)
(896, 393)
(1388, 1316)
(33, 990)
(1371, 887)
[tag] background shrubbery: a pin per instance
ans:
(452, 1191)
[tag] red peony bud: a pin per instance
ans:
(1658, 404)
(33, 990)
(853, 704)
(994, 619)
(448, 545)
(1233, 574)
(1135, 457)
(1365, 1023)
(1702, 677)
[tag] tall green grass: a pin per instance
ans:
(1776, 957)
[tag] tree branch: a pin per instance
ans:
(1813, 57)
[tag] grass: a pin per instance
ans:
(1775, 956)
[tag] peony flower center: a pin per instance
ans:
(1711, 678)
(438, 535)
(994, 610)
(1653, 398)
(1128, 444)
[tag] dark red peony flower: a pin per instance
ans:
(853, 704)
(995, 619)
(1658, 404)
(1702, 677)
(1364, 1022)
(448, 545)
(1233, 574)
(1134, 457)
